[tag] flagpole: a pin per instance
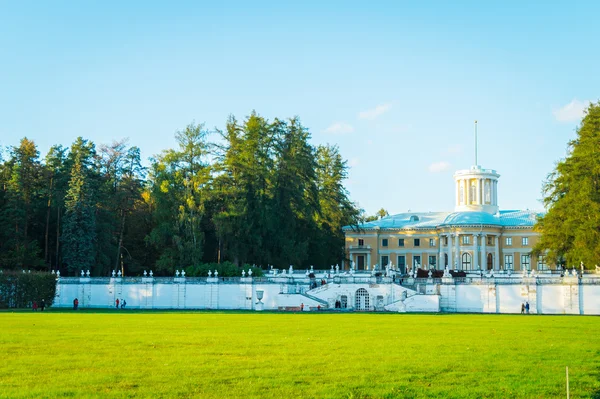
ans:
(476, 143)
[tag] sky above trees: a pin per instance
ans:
(396, 86)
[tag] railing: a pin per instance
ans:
(359, 247)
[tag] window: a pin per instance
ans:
(525, 241)
(525, 260)
(416, 261)
(384, 260)
(445, 260)
(432, 242)
(401, 242)
(472, 194)
(487, 192)
(466, 261)
(461, 191)
(508, 262)
(542, 262)
(432, 261)
(417, 242)
(445, 240)
(466, 239)
(384, 242)
(490, 240)
(508, 240)
(414, 218)
(402, 263)
(361, 242)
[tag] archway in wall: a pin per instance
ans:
(490, 262)
(362, 299)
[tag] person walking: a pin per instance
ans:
(527, 307)
(117, 301)
(522, 308)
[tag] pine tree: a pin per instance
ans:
(79, 226)
(571, 227)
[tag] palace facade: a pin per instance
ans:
(476, 236)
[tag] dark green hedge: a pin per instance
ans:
(20, 290)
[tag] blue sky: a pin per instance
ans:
(396, 85)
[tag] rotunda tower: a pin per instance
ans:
(476, 190)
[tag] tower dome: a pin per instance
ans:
(476, 190)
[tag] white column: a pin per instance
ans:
(450, 253)
(441, 253)
(368, 264)
(475, 253)
(478, 191)
(497, 253)
(456, 252)
(483, 252)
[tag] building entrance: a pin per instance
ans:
(362, 299)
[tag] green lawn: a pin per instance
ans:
(241, 355)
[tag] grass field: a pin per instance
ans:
(241, 355)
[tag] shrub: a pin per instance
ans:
(20, 290)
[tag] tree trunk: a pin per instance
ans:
(48, 209)
(57, 237)
(120, 239)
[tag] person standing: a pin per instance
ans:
(75, 303)
(117, 301)
(522, 308)
(43, 304)
(34, 306)
(123, 303)
(527, 307)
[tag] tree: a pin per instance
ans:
(378, 215)
(22, 193)
(570, 230)
(179, 179)
(79, 231)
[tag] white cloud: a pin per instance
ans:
(437, 167)
(339, 128)
(571, 112)
(375, 112)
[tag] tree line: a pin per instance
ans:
(257, 192)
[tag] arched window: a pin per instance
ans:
(488, 193)
(473, 193)
(466, 261)
(362, 299)
(414, 218)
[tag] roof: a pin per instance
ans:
(432, 220)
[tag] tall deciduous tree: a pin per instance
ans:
(571, 227)
(179, 180)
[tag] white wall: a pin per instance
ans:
(567, 297)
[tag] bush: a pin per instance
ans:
(20, 290)
(225, 269)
